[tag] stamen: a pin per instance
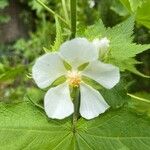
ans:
(74, 78)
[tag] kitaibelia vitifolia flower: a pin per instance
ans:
(49, 67)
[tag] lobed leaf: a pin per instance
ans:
(97, 30)
(23, 126)
(122, 32)
(124, 51)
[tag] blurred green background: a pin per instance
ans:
(26, 27)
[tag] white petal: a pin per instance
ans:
(92, 103)
(58, 103)
(102, 45)
(105, 74)
(78, 51)
(47, 68)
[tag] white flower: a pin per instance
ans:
(102, 45)
(57, 102)
(91, 3)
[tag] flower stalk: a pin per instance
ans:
(76, 102)
(76, 93)
(73, 11)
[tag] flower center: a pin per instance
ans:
(74, 78)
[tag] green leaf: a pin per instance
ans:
(123, 51)
(140, 102)
(133, 69)
(132, 5)
(118, 8)
(35, 6)
(126, 4)
(116, 97)
(143, 14)
(3, 4)
(11, 73)
(129, 64)
(35, 94)
(95, 31)
(140, 7)
(31, 129)
(4, 18)
(122, 32)
(59, 38)
(115, 129)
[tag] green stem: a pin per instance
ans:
(65, 10)
(52, 12)
(76, 102)
(32, 101)
(139, 98)
(73, 9)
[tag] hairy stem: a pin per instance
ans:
(52, 12)
(73, 11)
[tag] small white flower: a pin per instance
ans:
(91, 3)
(57, 102)
(102, 45)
